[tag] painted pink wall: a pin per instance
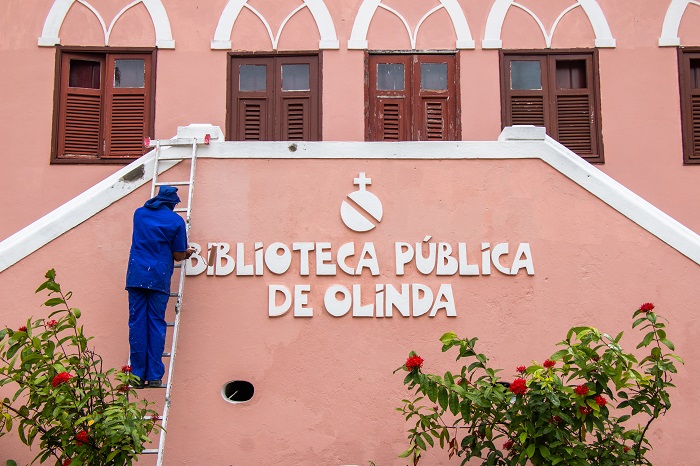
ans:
(641, 136)
(325, 392)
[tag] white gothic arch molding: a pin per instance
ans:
(317, 8)
(59, 10)
(497, 15)
(360, 28)
(672, 22)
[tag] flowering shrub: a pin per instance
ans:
(80, 414)
(552, 413)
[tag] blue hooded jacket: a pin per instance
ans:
(158, 232)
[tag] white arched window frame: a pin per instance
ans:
(59, 10)
(317, 8)
(494, 23)
(360, 28)
(672, 22)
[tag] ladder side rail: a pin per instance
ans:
(156, 160)
(178, 305)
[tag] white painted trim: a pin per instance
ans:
(360, 27)
(59, 10)
(497, 16)
(317, 8)
(324, 22)
(53, 22)
(161, 23)
(95, 199)
(672, 23)
(629, 204)
(520, 142)
(598, 21)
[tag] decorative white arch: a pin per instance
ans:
(494, 23)
(672, 22)
(317, 8)
(358, 36)
(59, 10)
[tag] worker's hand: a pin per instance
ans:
(189, 252)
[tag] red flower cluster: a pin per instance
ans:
(463, 382)
(414, 362)
(555, 420)
(23, 328)
(581, 390)
(81, 438)
(52, 324)
(66, 462)
(60, 378)
(626, 448)
(549, 363)
(508, 445)
(600, 401)
(646, 307)
(585, 410)
(518, 386)
(126, 369)
(521, 369)
(123, 388)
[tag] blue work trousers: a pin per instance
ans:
(147, 328)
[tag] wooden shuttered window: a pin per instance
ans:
(104, 106)
(558, 91)
(274, 98)
(412, 97)
(689, 76)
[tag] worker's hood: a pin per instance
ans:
(167, 196)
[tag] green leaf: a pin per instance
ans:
(448, 337)
(530, 451)
(668, 343)
(454, 403)
(54, 302)
(442, 397)
(407, 453)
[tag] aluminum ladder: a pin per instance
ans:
(187, 213)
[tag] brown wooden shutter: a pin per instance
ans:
(689, 74)
(252, 120)
(127, 111)
(434, 116)
(297, 111)
(527, 110)
(565, 101)
(389, 117)
(80, 107)
(572, 84)
(390, 120)
(525, 104)
(295, 120)
(271, 114)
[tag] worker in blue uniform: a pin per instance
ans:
(159, 238)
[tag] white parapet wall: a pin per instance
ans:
(519, 142)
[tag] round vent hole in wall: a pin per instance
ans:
(237, 391)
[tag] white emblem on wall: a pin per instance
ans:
(365, 210)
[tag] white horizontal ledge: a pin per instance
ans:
(514, 143)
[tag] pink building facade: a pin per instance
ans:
(348, 139)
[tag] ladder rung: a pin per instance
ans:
(150, 451)
(166, 354)
(180, 209)
(173, 294)
(177, 265)
(170, 324)
(172, 183)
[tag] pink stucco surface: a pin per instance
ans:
(325, 392)
(324, 389)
